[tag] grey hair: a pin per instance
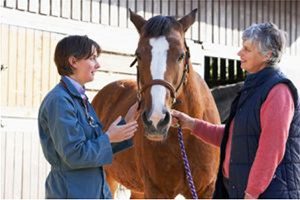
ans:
(268, 38)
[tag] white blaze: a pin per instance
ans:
(158, 68)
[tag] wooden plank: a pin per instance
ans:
(117, 63)
(259, 11)
(10, 3)
(86, 11)
(66, 9)
(282, 24)
(140, 8)
(95, 15)
(172, 8)
(3, 163)
(21, 5)
(105, 12)
(272, 11)
(34, 6)
(113, 13)
(266, 11)
(131, 5)
(148, 9)
(45, 70)
(188, 9)
(34, 167)
(156, 7)
(76, 10)
(37, 68)
(29, 67)
(202, 12)
(229, 16)
(102, 78)
(215, 22)
(195, 26)
(253, 13)
(298, 29)
(181, 9)
(277, 13)
(42, 173)
(54, 76)
(247, 12)
(241, 22)
(17, 178)
(55, 8)
(165, 7)
(12, 65)
(288, 20)
(44, 7)
(4, 46)
(222, 28)
(20, 67)
(123, 14)
(26, 177)
(235, 24)
(9, 165)
(209, 29)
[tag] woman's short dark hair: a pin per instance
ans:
(75, 45)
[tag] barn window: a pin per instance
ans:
(222, 71)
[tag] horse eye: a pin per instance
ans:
(181, 57)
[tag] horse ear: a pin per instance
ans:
(137, 20)
(188, 20)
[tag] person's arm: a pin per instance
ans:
(69, 139)
(276, 116)
(208, 132)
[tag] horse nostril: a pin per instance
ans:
(165, 121)
(145, 119)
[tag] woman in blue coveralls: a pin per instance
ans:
(70, 133)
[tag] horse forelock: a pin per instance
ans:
(159, 25)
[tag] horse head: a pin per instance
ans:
(163, 63)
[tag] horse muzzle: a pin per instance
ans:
(156, 131)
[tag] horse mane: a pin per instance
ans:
(159, 25)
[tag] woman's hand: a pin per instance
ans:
(132, 113)
(118, 133)
(184, 120)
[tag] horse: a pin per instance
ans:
(224, 96)
(166, 80)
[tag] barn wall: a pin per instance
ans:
(218, 21)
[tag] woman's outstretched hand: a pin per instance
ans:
(132, 113)
(182, 119)
(118, 133)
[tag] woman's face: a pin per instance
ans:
(251, 59)
(84, 69)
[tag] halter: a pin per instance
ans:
(162, 82)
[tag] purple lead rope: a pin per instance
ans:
(186, 165)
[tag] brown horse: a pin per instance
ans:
(153, 168)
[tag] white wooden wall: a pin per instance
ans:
(218, 21)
